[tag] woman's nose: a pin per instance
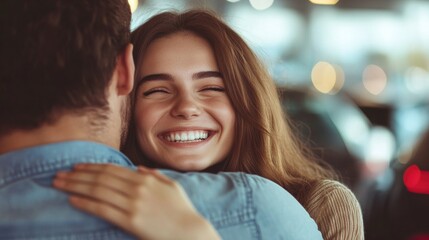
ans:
(186, 107)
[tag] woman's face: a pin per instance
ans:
(184, 118)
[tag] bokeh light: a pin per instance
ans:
(323, 77)
(374, 79)
(412, 176)
(417, 80)
(261, 4)
(324, 2)
(416, 180)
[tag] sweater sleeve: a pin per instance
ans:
(336, 211)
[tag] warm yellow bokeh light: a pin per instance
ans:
(374, 79)
(323, 77)
(133, 4)
(324, 2)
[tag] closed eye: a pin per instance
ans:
(214, 88)
(155, 90)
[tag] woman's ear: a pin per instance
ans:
(125, 71)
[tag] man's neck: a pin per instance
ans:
(67, 128)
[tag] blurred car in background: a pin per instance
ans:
(397, 206)
(391, 185)
(340, 134)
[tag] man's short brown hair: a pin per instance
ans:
(57, 56)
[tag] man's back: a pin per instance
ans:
(239, 206)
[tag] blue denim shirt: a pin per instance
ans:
(240, 206)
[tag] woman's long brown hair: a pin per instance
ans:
(264, 144)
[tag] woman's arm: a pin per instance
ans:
(145, 203)
(336, 211)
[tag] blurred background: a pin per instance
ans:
(354, 77)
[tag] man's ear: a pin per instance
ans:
(125, 71)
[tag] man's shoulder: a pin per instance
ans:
(241, 185)
(236, 185)
(31, 208)
(244, 184)
(247, 206)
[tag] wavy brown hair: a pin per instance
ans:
(264, 144)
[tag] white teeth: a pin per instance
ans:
(186, 136)
(191, 136)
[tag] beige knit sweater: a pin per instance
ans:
(336, 211)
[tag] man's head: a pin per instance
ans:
(59, 57)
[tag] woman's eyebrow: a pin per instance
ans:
(168, 77)
(206, 74)
(157, 76)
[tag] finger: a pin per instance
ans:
(142, 169)
(161, 176)
(104, 211)
(82, 182)
(99, 193)
(95, 178)
(155, 173)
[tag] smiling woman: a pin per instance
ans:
(183, 116)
